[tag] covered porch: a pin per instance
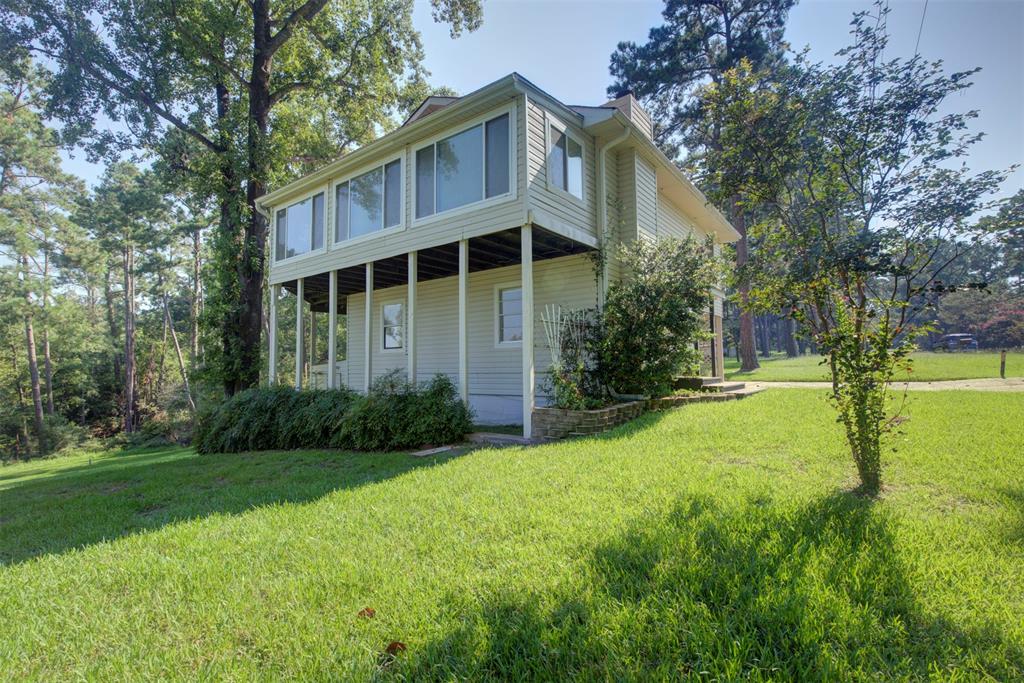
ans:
(399, 339)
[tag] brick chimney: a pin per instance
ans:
(628, 105)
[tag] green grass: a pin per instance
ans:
(927, 367)
(718, 538)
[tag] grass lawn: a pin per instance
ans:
(717, 540)
(928, 367)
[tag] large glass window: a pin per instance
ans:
(510, 315)
(459, 167)
(393, 324)
(565, 163)
(464, 168)
(369, 202)
(300, 227)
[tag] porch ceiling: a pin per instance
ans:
(496, 250)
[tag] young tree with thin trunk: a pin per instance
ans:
(862, 180)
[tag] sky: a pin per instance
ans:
(563, 46)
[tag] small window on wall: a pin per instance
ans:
(510, 315)
(565, 163)
(393, 324)
(299, 228)
(369, 203)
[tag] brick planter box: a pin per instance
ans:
(557, 423)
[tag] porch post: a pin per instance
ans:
(526, 259)
(367, 331)
(311, 349)
(275, 292)
(300, 332)
(332, 328)
(410, 335)
(463, 332)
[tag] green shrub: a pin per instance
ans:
(652, 319)
(395, 414)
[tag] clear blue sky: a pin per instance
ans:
(564, 46)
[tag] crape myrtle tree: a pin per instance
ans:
(238, 94)
(700, 41)
(862, 181)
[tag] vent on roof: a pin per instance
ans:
(429, 106)
(628, 105)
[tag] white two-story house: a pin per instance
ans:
(440, 244)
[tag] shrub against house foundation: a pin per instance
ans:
(395, 414)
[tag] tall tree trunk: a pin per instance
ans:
(193, 322)
(112, 325)
(129, 338)
(248, 318)
(764, 328)
(163, 350)
(748, 350)
(789, 332)
(23, 441)
(33, 363)
(47, 363)
(181, 361)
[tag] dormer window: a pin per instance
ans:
(465, 168)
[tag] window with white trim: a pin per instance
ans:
(369, 202)
(393, 325)
(470, 166)
(565, 161)
(510, 315)
(299, 228)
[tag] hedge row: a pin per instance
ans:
(393, 415)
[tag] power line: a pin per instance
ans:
(920, 28)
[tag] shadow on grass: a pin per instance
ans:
(141, 491)
(757, 590)
(1015, 530)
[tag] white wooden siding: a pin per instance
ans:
(646, 198)
(495, 377)
(555, 209)
(672, 222)
(627, 194)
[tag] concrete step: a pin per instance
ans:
(723, 387)
(498, 439)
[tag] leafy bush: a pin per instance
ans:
(652, 319)
(395, 414)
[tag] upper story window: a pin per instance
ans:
(565, 161)
(369, 203)
(300, 227)
(468, 167)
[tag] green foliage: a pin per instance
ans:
(235, 97)
(700, 39)
(848, 166)
(395, 414)
(653, 318)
